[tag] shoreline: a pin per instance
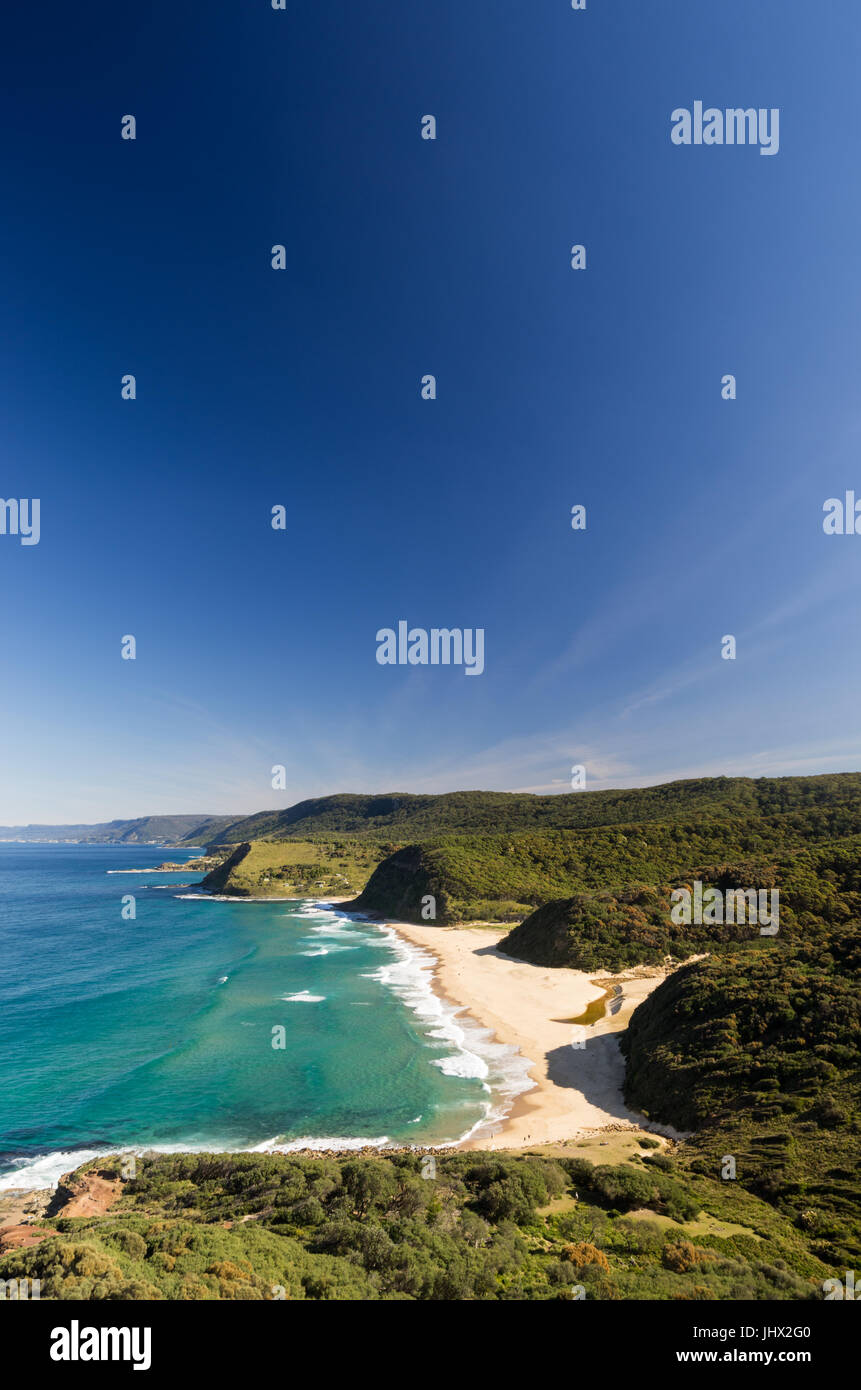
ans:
(576, 1091)
(577, 1076)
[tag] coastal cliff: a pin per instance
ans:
(222, 879)
(398, 886)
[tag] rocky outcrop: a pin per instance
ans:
(217, 881)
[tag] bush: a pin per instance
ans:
(683, 1256)
(585, 1254)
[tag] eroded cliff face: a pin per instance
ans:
(217, 881)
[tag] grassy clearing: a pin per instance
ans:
(303, 868)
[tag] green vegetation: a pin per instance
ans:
(762, 1056)
(486, 1226)
(504, 877)
(614, 929)
(404, 818)
(603, 931)
(498, 856)
(296, 868)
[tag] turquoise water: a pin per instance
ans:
(158, 1032)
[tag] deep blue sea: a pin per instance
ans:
(158, 1031)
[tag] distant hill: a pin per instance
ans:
(172, 830)
(403, 817)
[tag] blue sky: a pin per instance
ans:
(301, 387)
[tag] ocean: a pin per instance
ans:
(214, 1024)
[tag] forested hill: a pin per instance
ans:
(406, 818)
(613, 928)
(759, 1053)
(497, 856)
(504, 877)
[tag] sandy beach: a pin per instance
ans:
(578, 1089)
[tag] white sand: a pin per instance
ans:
(577, 1089)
